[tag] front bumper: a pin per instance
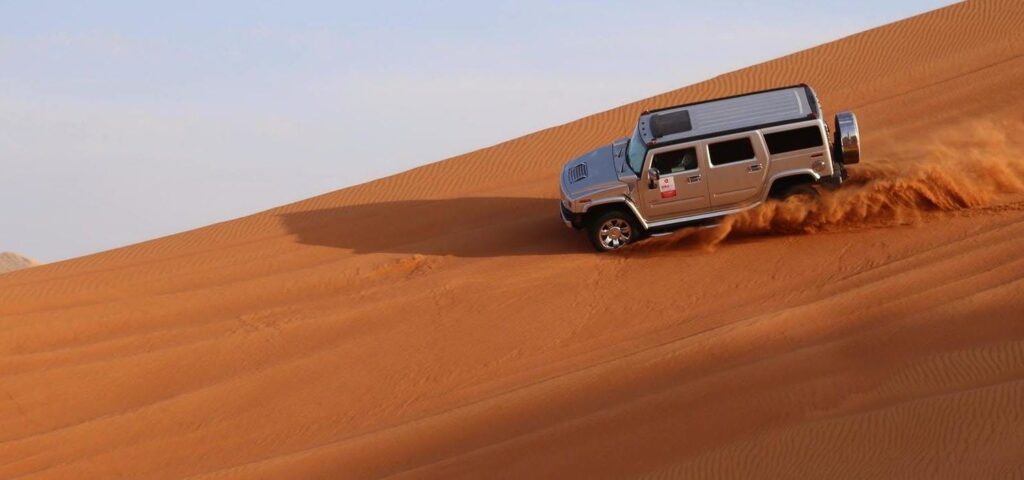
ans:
(570, 219)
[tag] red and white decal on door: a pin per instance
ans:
(667, 187)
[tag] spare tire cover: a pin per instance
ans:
(847, 138)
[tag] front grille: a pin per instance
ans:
(577, 173)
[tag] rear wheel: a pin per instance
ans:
(800, 190)
(613, 230)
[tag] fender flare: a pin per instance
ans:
(788, 174)
(619, 200)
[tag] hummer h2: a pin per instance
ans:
(691, 164)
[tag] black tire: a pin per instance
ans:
(801, 190)
(613, 230)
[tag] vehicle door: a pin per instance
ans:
(673, 183)
(736, 170)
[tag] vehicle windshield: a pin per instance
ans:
(635, 152)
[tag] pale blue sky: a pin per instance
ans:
(124, 121)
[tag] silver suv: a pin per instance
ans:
(692, 164)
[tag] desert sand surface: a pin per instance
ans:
(443, 323)
(10, 262)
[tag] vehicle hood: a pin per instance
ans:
(593, 172)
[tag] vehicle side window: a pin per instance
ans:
(675, 161)
(796, 139)
(731, 151)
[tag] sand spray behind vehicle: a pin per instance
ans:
(966, 168)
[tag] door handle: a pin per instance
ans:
(754, 168)
(693, 179)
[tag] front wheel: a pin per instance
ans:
(613, 230)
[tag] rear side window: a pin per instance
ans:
(675, 161)
(791, 140)
(732, 151)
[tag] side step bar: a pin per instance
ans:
(670, 232)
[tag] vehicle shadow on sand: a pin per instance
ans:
(462, 227)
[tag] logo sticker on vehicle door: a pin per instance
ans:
(667, 186)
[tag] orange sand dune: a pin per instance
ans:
(442, 323)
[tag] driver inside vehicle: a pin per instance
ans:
(675, 161)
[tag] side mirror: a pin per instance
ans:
(652, 177)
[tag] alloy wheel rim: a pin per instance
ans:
(615, 233)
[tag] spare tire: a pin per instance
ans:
(847, 138)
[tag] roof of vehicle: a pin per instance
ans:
(722, 116)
